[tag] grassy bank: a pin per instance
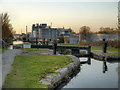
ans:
(73, 45)
(29, 69)
(35, 49)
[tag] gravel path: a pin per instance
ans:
(6, 61)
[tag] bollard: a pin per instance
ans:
(89, 50)
(62, 51)
(104, 46)
(47, 42)
(89, 54)
(55, 47)
(36, 41)
(44, 41)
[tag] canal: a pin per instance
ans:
(15, 43)
(98, 74)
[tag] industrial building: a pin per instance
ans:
(43, 31)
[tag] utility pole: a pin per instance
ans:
(21, 31)
(51, 24)
(26, 34)
(26, 30)
(79, 37)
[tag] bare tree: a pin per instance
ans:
(7, 28)
(85, 33)
(119, 15)
(106, 30)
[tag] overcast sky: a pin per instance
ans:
(72, 14)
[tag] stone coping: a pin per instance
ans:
(100, 55)
(55, 78)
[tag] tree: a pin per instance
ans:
(119, 15)
(106, 30)
(85, 33)
(7, 28)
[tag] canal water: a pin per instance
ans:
(98, 74)
(15, 43)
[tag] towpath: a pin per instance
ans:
(6, 61)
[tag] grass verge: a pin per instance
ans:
(28, 70)
(2, 50)
(113, 53)
(35, 49)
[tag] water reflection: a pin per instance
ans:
(105, 67)
(86, 62)
(17, 42)
(89, 60)
(95, 74)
